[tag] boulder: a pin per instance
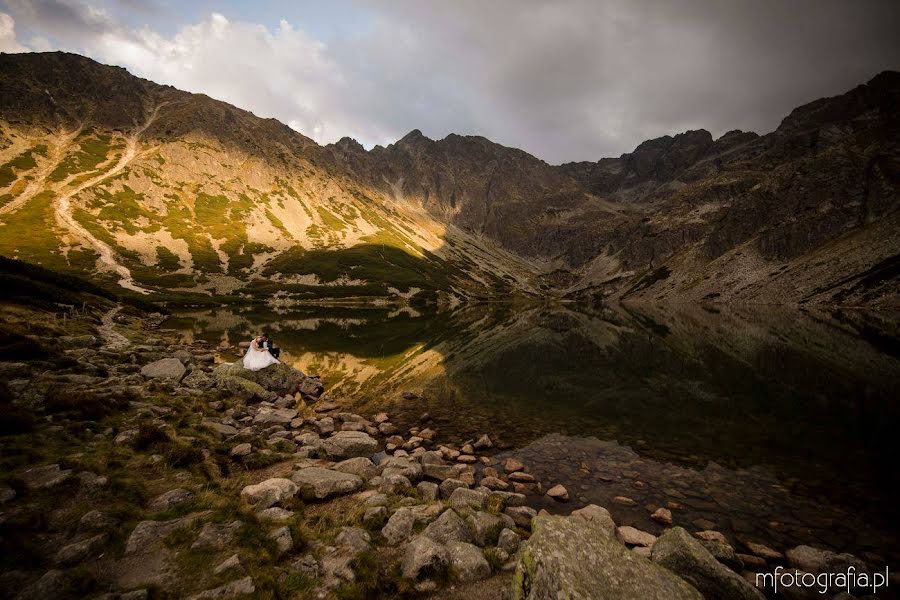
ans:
(485, 527)
(233, 589)
(449, 485)
(245, 390)
(599, 516)
(318, 483)
(684, 555)
(269, 492)
(509, 541)
(815, 561)
(280, 379)
(283, 540)
(198, 380)
(216, 536)
(148, 534)
(398, 527)
(448, 527)
(521, 515)
(576, 558)
(72, 554)
(166, 368)
(349, 444)
(274, 416)
(424, 558)
(47, 476)
(467, 562)
(635, 537)
(171, 499)
(360, 466)
(464, 498)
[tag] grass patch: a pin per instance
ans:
(92, 151)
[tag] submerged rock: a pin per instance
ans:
(575, 558)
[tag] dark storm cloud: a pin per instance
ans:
(563, 79)
(579, 79)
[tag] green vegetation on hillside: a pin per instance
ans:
(372, 263)
(22, 162)
(92, 151)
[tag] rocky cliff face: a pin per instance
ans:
(161, 190)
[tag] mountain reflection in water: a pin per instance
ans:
(773, 424)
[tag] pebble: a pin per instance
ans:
(558, 493)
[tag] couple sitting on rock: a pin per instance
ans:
(261, 353)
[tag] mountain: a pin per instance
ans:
(174, 193)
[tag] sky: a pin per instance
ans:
(562, 79)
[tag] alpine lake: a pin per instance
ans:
(771, 425)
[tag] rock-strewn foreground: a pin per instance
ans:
(137, 466)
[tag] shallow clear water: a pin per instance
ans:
(772, 425)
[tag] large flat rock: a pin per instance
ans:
(571, 557)
(318, 483)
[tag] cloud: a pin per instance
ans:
(563, 79)
(8, 41)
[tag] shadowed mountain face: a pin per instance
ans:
(159, 189)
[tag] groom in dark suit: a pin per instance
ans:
(275, 352)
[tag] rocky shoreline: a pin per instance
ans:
(141, 468)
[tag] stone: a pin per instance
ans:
(232, 589)
(485, 528)
(751, 561)
(424, 558)
(438, 472)
(685, 556)
(318, 483)
(381, 417)
(428, 491)
(148, 534)
(509, 541)
(764, 551)
(624, 501)
(375, 517)
(241, 450)
(483, 443)
(711, 536)
(599, 516)
(283, 540)
(269, 492)
(394, 483)
(558, 493)
(270, 416)
(467, 562)
(464, 498)
(401, 465)
(167, 368)
(324, 407)
(360, 466)
(724, 553)
(493, 483)
(95, 519)
(511, 465)
(216, 536)
(449, 485)
(325, 426)
(448, 527)
(198, 380)
(815, 561)
(74, 553)
(574, 558)
(279, 379)
(171, 499)
(521, 477)
(349, 444)
(631, 536)
(232, 563)
(274, 514)
(662, 516)
(45, 477)
(521, 515)
(399, 527)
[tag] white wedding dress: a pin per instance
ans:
(256, 359)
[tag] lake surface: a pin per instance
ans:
(769, 424)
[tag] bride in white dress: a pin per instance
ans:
(258, 356)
